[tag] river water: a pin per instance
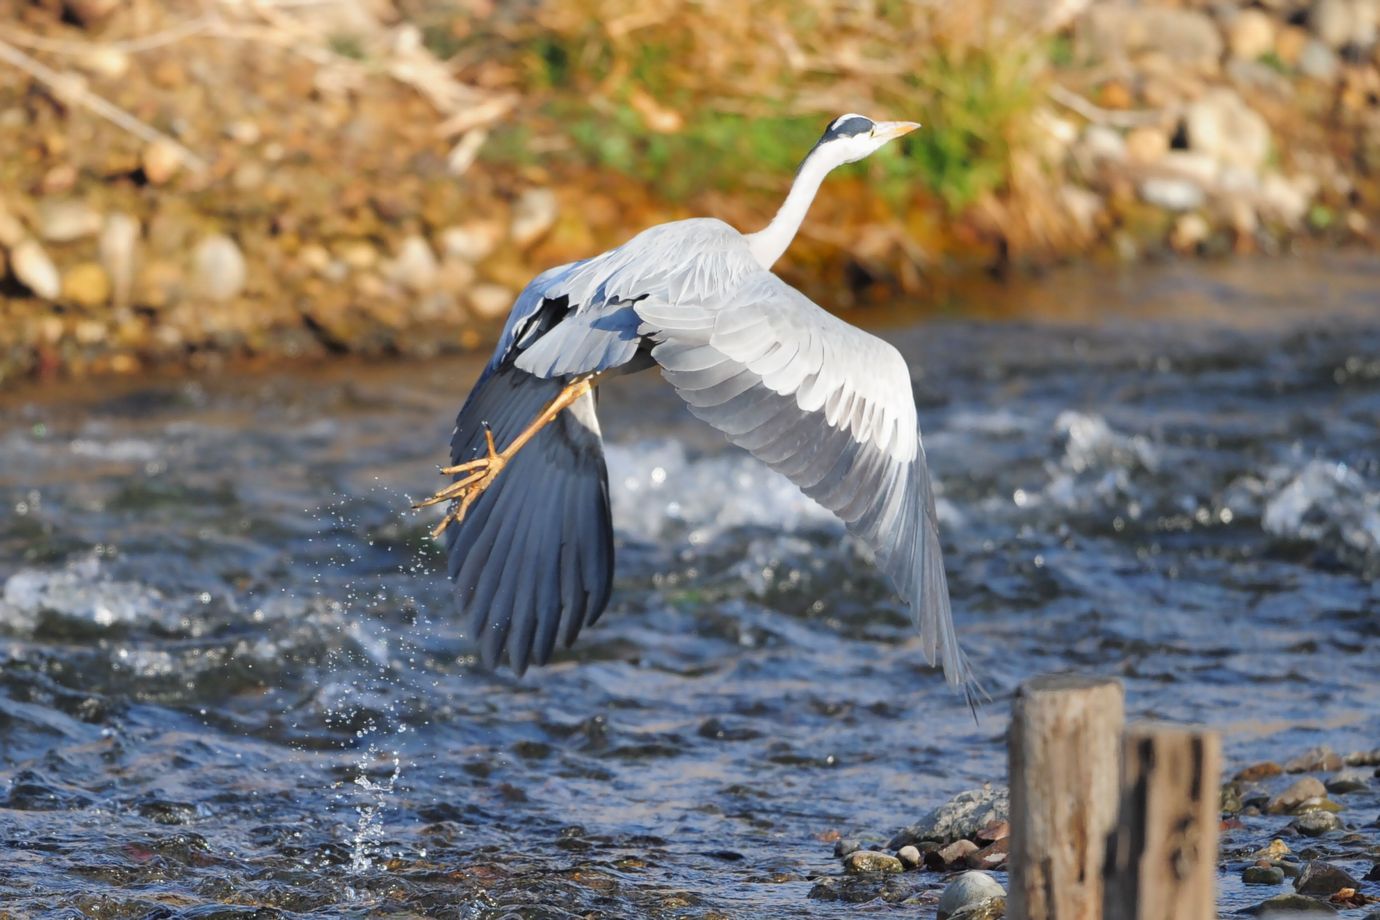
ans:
(229, 685)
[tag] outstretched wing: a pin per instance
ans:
(829, 406)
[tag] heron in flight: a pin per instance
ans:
(528, 532)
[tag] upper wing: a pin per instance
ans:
(829, 406)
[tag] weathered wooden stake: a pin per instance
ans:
(1065, 746)
(1162, 858)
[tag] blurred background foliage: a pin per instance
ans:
(184, 180)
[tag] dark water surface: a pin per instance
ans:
(227, 674)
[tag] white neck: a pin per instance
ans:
(771, 241)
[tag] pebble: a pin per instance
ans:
(997, 830)
(1333, 22)
(89, 12)
(86, 285)
(962, 816)
(1277, 849)
(910, 857)
(1354, 759)
(534, 213)
(957, 853)
(1316, 823)
(415, 265)
(1263, 875)
(1172, 194)
(992, 856)
(12, 232)
(1323, 878)
(33, 268)
(1259, 771)
(1313, 760)
(1251, 34)
(220, 271)
(845, 845)
(67, 220)
(473, 241)
(1288, 905)
(491, 301)
(1318, 61)
(1145, 145)
(160, 160)
(1183, 36)
(119, 250)
(968, 891)
(1190, 231)
(860, 861)
(1221, 125)
(1348, 781)
(1301, 791)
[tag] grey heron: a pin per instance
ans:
(528, 530)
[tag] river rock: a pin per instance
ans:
(1183, 36)
(962, 816)
(219, 268)
(860, 861)
(1301, 791)
(1289, 905)
(119, 249)
(1277, 850)
(1315, 759)
(1171, 194)
(12, 231)
(1330, 21)
(845, 845)
(1250, 34)
(160, 161)
(1318, 61)
(415, 266)
(1348, 781)
(473, 241)
(491, 301)
(968, 891)
(534, 213)
(33, 268)
(1355, 758)
(957, 853)
(1263, 875)
(67, 220)
(1323, 878)
(1256, 772)
(90, 12)
(1316, 823)
(992, 856)
(1221, 125)
(1146, 145)
(86, 285)
(910, 857)
(1191, 231)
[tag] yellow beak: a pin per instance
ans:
(889, 130)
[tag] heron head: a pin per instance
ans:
(851, 137)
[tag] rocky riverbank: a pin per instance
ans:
(185, 182)
(1299, 838)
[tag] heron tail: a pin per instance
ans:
(533, 559)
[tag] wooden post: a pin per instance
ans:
(1162, 858)
(1065, 744)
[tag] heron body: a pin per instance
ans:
(529, 535)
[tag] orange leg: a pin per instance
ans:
(482, 471)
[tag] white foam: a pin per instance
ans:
(656, 485)
(1321, 500)
(77, 591)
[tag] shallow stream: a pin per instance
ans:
(229, 685)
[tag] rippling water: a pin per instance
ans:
(229, 681)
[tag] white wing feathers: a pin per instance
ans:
(827, 405)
